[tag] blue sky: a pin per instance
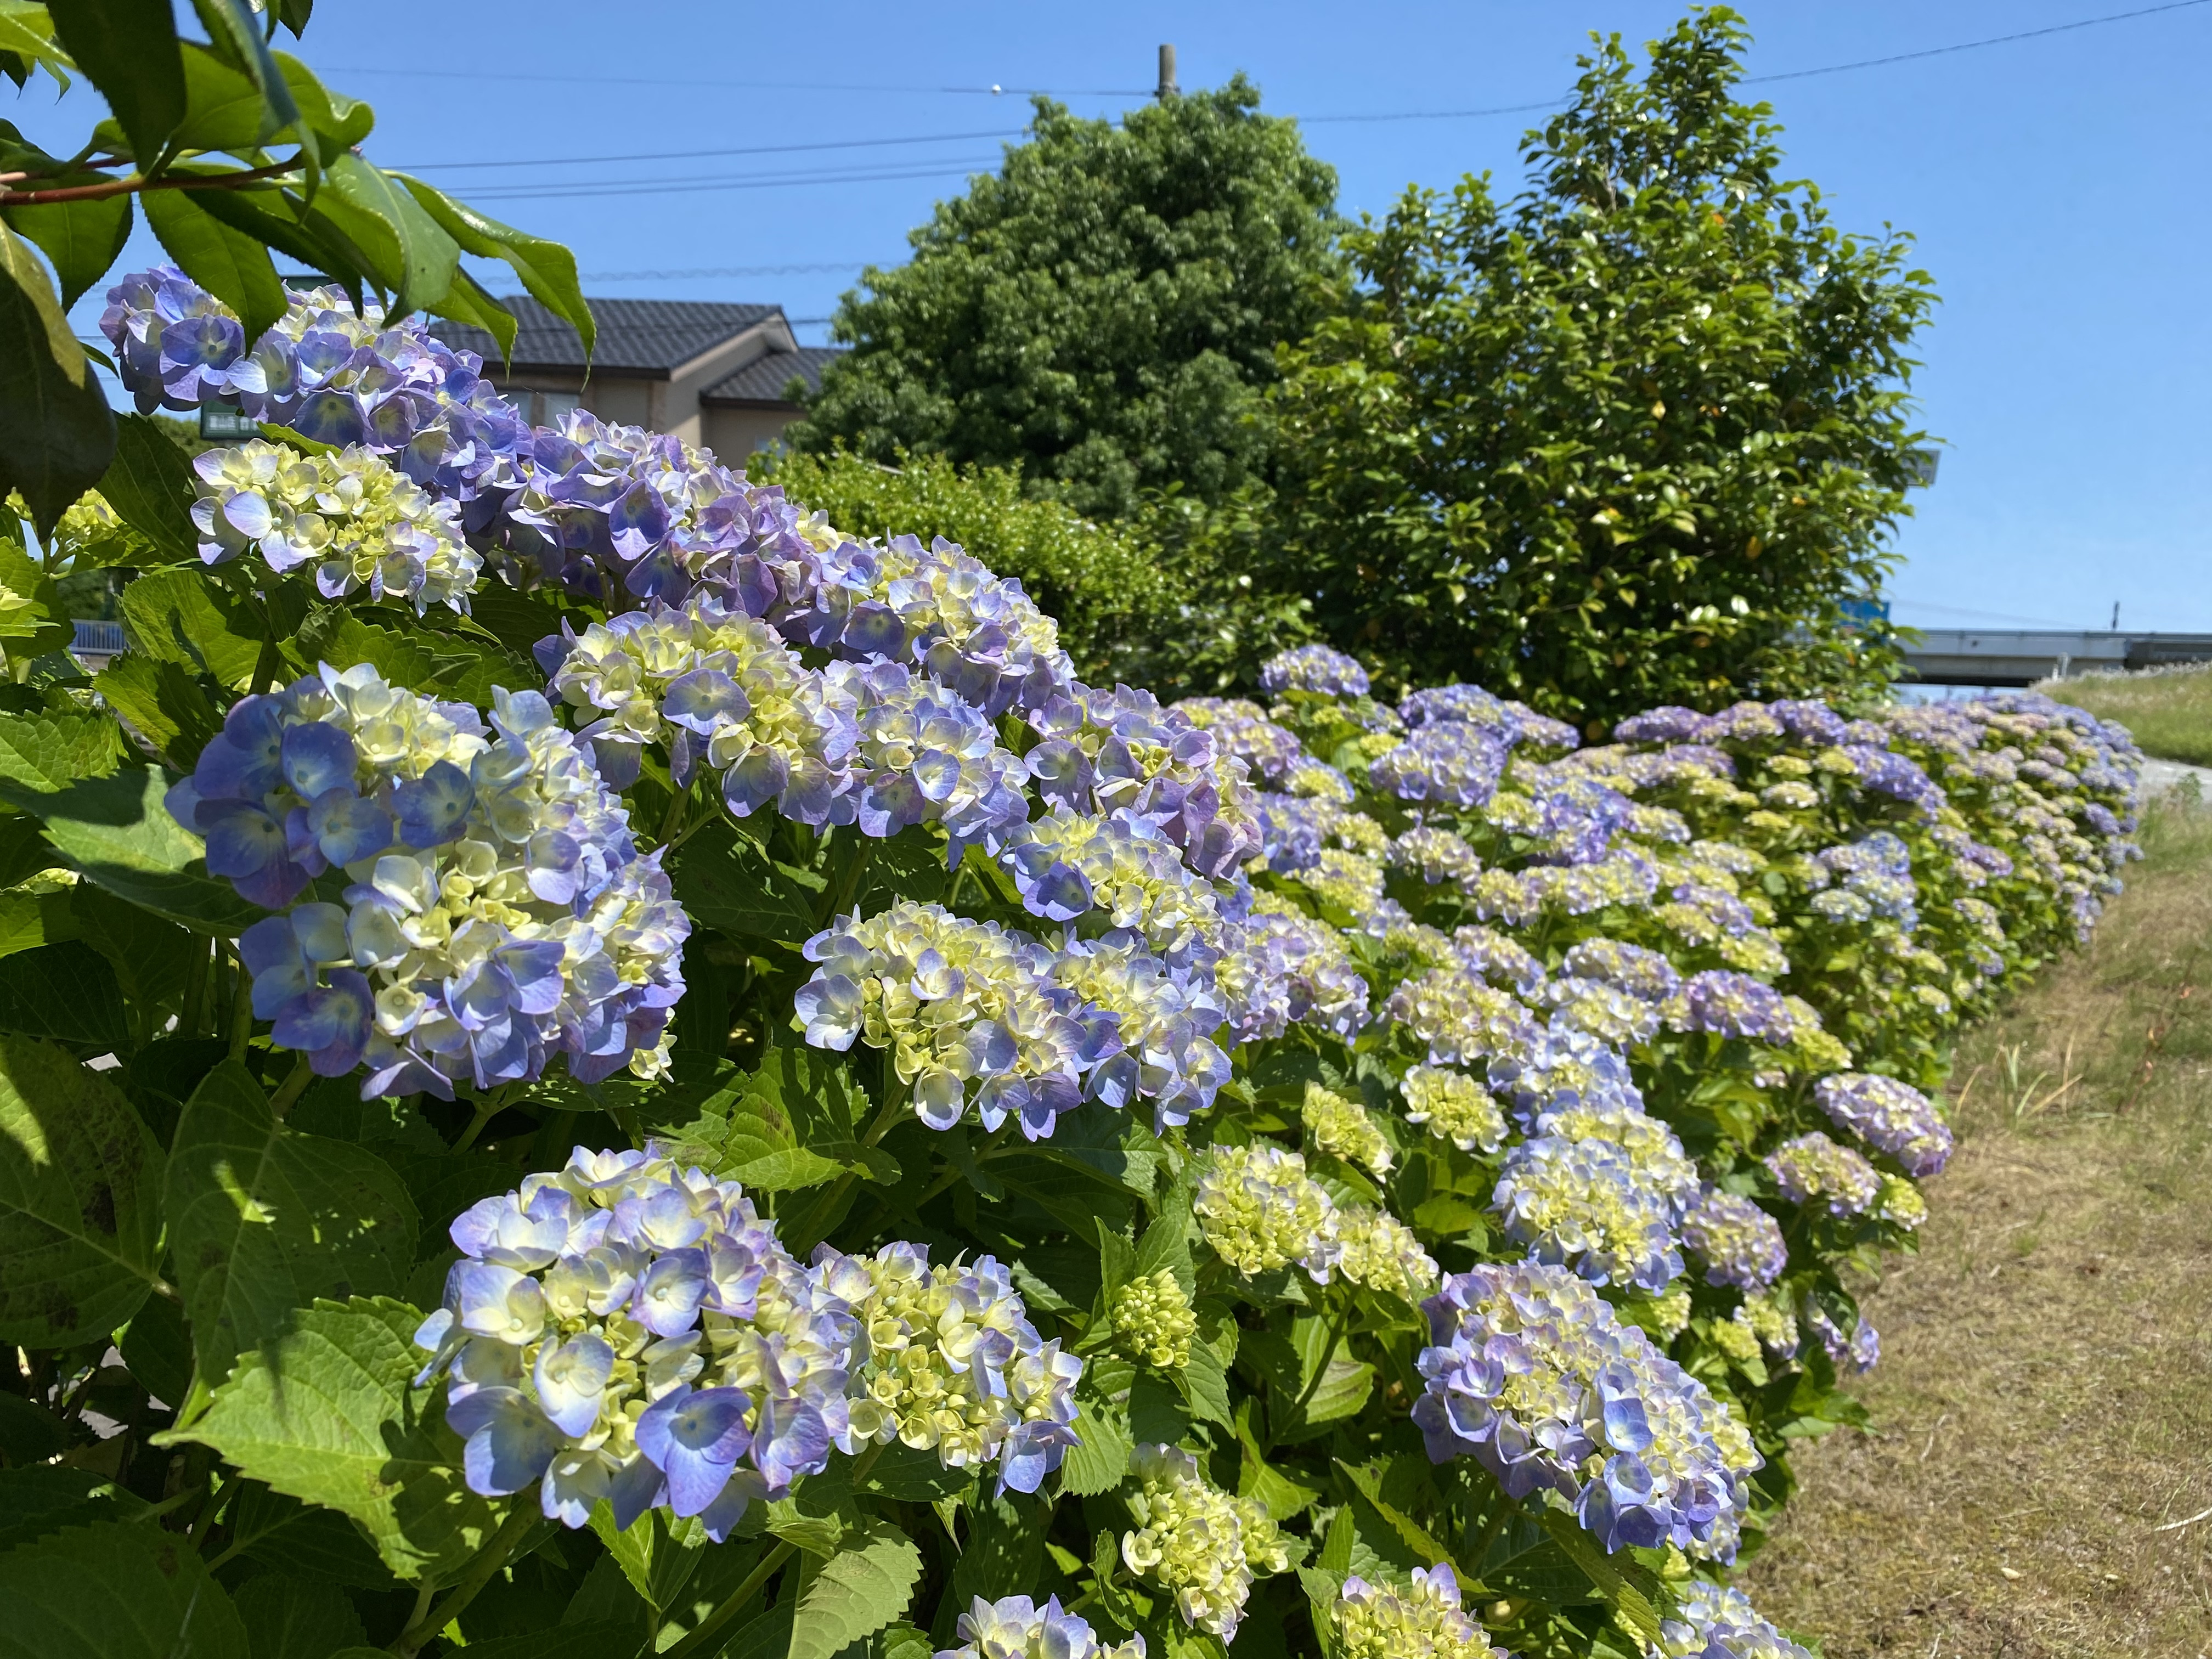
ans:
(2055, 185)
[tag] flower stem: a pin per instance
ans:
(303, 1073)
(486, 1566)
(241, 1012)
(702, 1640)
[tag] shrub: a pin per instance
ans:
(641, 1068)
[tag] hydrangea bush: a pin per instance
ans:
(617, 1057)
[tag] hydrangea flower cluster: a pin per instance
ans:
(1460, 1019)
(1661, 1164)
(624, 1330)
(362, 524)
(1154, 1322)
(928, 755)
(1067, 864)
(1454, 1107)
(1260, 1211)
(1854, 1355)
(1738, 1242)
(1164, 1020)
(1551, 1069)
(1890, 1116)
(1717, 1622)
(951, 1363)
(1343, 1130)
(1531, 1374)
(1315, 668)
(1423, 1620)
(1436, 855)
(1814, 1169)
(1381, 1252)
(1104, 751)
(1450, 764)
(719, 688)
(1729, 1004)
(1240, 727)
(1016, 1627)
(1279, 968)
(1202, 1546)
(1582, 1204)
(497, 913)
(1602, 1011)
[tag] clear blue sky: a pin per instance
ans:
(2056, 186)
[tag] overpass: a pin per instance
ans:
(1979, 656)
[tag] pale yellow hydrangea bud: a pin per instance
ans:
(1343, 1130)
(1152, 1320)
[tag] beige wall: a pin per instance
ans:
(734, 433)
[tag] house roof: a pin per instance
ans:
(638, 336)
(762, 380)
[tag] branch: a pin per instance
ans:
(136, 182)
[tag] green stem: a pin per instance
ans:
(241, 1012)
(487, 1108)
(702, 1640)
(1321, 1371)
(303, 1073)
(196, 981)
(674, 820)
(410, 1641)
(204, 1523)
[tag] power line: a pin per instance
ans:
(1972, 46)
(685, 187)
(1986, 616)
(718, 271)
(703, 155)
(746, 86)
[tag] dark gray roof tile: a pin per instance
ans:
(639, 336)
(762, 380)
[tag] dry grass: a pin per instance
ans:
(2043, 1412)
(2168, 709)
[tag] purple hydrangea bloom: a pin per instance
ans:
(1738, 1242)
(1890, 1116)
(1450, 764)
(1315, 668)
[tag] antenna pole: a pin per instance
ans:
(1168, 88)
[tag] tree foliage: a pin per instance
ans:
(1628, 438)
(1101, 312)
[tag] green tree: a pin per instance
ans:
(1101, 314)
(1632, 438)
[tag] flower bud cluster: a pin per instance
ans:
(1717, 1621)
(1738, 1242)
(1197, 1542)
(1814, 1169)
(1152, 1320)
(1890, 1116)
(1531, 1374)
(1343, 1130)
(497, 911)
(360, 523)
(1381, 1252)
(1423, 1621)
(1016, 1627)
(1454, 1107)
(1260, 1211)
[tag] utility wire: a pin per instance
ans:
(1972, 46)
(1986, 616)
(718, 271)
(746, 86)
(685, 187)
(704, 155)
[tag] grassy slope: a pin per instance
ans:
(2170, 712)
(2044, 1400)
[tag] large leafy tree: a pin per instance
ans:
(230, 148)
(1101, 312)
(1634, 437)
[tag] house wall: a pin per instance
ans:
(734, 433)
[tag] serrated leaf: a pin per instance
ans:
(1417, 1537)
(1099, 1459)
(49, 752)
(856, 1592)
(149, 485)
(158, 1349)
(38, 913)
(179, 617)
(114, 1591)
(1625, 1587)
(83, 238)
(224, 110)
(56, 429)
(32, 619)
(656, 1554)
(547, 270)
(47, 1497)
(128, 49)
(80, 1199)
(228, 263)
(411, 254)
(165, 704)
(117, 832)
(907, 1474)
(466, 301)
(65, 993)
(724, 880)
(1205, 1383)
(264, 1219)
(328, 1414)
(288, 1618)
(286, 1535)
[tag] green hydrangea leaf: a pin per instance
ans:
(80, 1199)
(288, 1618)
(118, 832)
(328, 1414)
(263, 1218)
(114, 1591)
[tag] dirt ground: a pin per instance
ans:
(2038, 1479)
